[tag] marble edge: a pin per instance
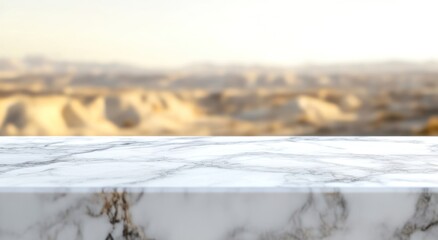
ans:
(369, 190)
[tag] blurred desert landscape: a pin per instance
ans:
(243, 67)
(41, 96)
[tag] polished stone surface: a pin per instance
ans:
(219, 162)
(218, 188)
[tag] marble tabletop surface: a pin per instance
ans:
(218, 162)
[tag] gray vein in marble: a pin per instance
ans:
(218, 162)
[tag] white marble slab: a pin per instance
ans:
(218, 188)
(207, 162)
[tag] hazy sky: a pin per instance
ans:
(164, 33)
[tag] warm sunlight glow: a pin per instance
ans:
(174, 33)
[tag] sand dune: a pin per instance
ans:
(216, 101)
(114, 113)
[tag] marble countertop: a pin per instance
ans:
(219, 188)
(218, 162)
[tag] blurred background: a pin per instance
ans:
(210, 67)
